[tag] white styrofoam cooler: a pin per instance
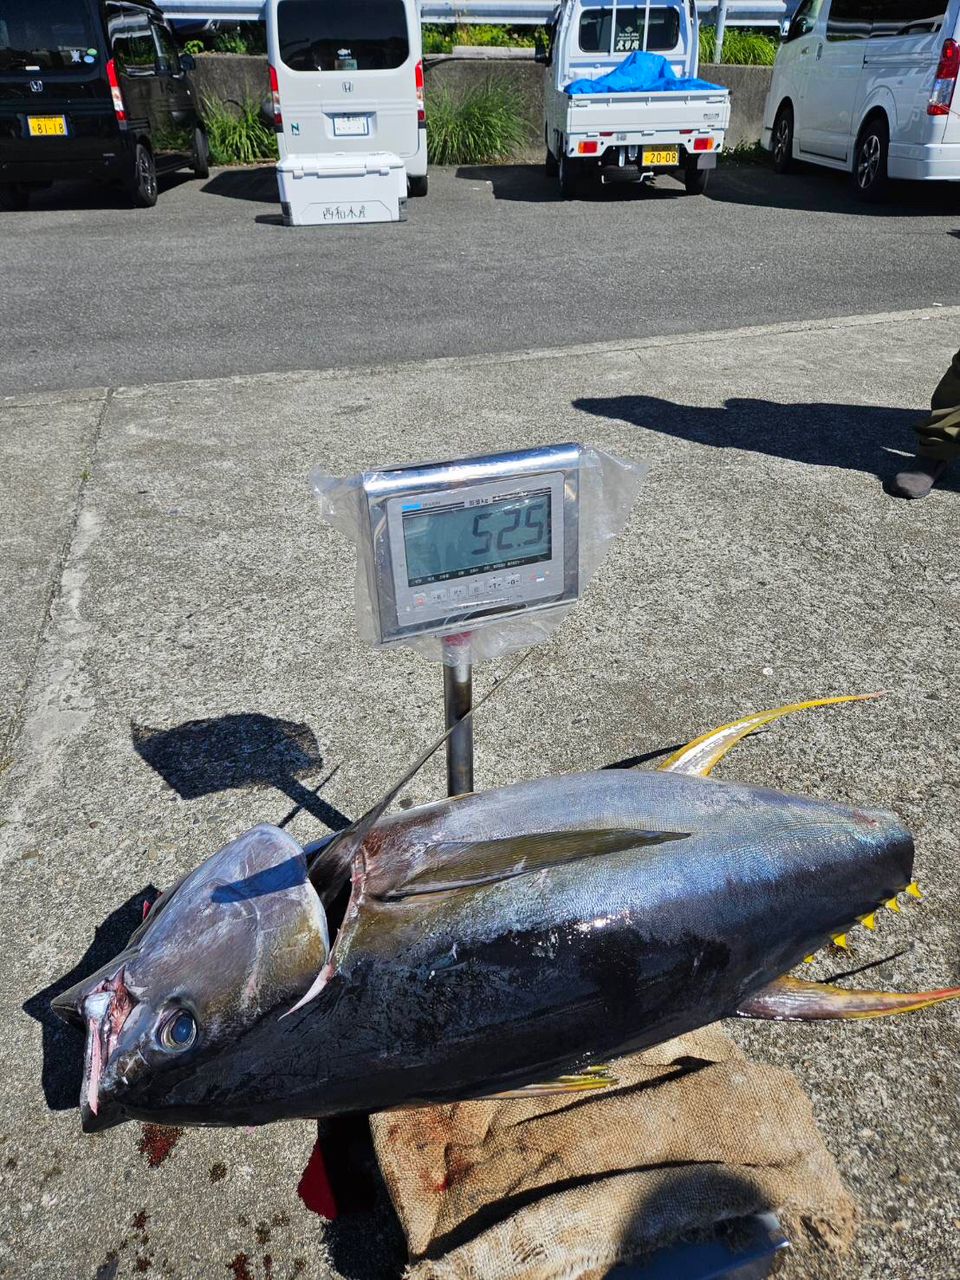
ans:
(338, 188)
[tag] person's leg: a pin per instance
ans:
(938, 438)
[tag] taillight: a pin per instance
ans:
(421, 107)
(946, 80)
(119, 110)
(588, 148)
(275, 91)
(703, 144)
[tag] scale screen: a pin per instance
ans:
(458, 542)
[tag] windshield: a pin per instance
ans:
(55, 35)
(600, 34)
(341, 35)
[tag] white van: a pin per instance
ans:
(348, 77)
(867, 86)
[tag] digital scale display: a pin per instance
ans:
(455, 543)
(460, 541)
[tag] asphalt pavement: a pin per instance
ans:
(207, 283)
(177, 572)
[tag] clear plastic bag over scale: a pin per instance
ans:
(608, 487)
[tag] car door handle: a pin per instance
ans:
(819, 51)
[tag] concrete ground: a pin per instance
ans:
(207, 283)
(169, 566)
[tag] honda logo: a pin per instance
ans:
(36, 86)
(348, 86)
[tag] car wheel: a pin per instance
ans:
(418, 186)
(695, 180)
(568, 172)
(870, 179)
(200, 164)
(781, 141)
(14, 196)
(143, 178)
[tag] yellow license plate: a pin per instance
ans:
(661, 155)
(47, 126)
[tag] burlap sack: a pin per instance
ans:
(566, 1186)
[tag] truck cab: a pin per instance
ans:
(615, 133)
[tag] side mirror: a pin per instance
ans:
(188, 62)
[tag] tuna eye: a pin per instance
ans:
(179, 1031)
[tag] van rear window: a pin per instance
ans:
(600, 34)
(342, 35)
(56, 35)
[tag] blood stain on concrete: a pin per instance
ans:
(157, 1142)
(239, 1267)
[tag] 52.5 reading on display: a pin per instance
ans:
(461, 540)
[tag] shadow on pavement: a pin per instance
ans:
(201, 757)
(62, 1072)
(258, 184)
(530, 184)
(827, 191)
(856, 437)
(97, 195)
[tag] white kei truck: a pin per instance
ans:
(628, 134)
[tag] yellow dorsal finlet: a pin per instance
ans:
(914, 890)
(892, 905)
(869, 921)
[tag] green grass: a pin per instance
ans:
(743, 48)
(751, 153)
(443, 37)
(238, 133)
(478, 126)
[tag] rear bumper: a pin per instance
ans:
(933, 162)
(607, 148)
(107, 166)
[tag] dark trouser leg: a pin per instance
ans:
(938, 438)
(939, 435)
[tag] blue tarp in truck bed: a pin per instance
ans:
(639, 73)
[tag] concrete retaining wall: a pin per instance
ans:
(237, 76)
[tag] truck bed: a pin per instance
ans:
(648, 111)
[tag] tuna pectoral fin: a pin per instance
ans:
(465, 864)
(703, 754)
(792, 1000)
(588, 1081)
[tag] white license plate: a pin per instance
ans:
(351, 126)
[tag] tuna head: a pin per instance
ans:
(243, 933)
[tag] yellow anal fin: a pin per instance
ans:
(794, 1000)
(703, 754)
(914, 890)
(590, 1080)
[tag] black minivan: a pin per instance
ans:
(93, 88)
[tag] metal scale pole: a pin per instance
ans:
(457, 701)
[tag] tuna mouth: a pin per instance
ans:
(105, 1010)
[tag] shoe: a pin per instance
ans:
(920, 479)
